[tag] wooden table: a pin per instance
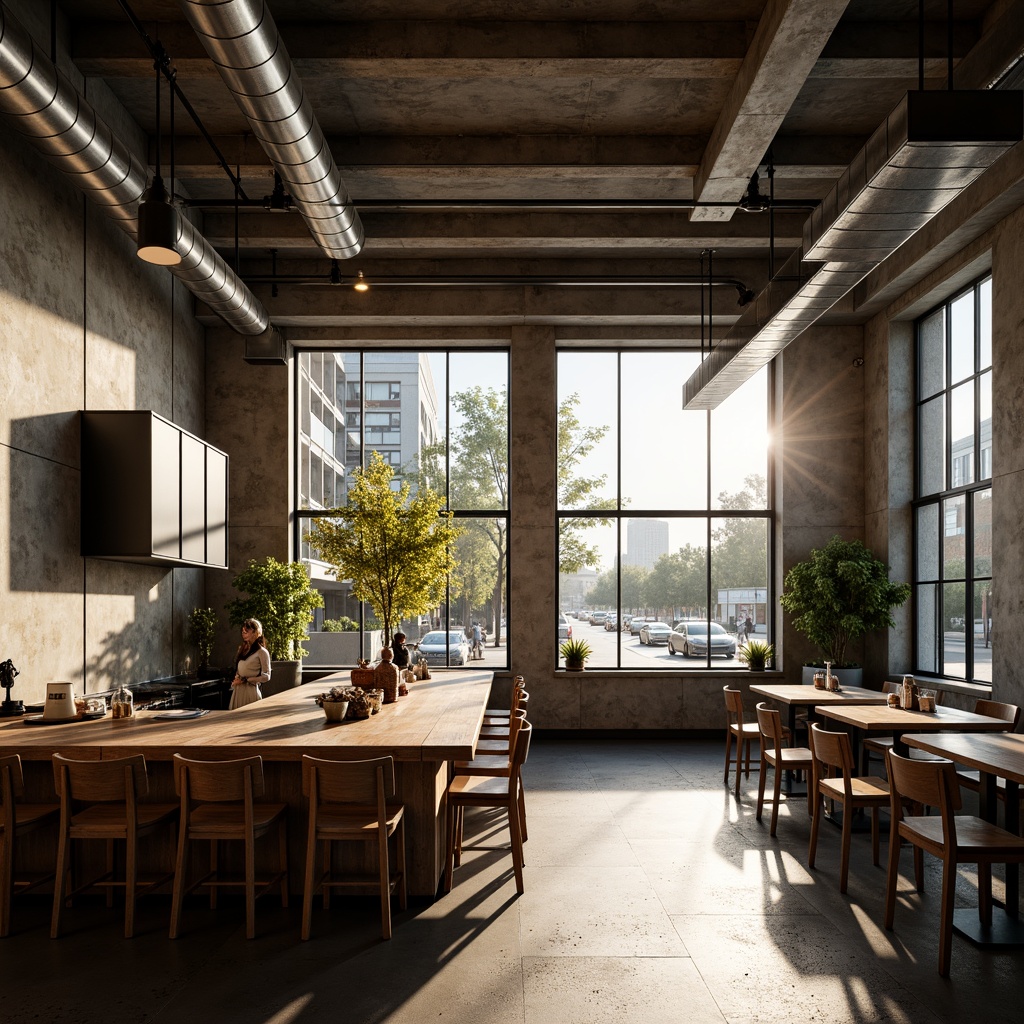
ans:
(438, 721)
(994, 755)
(796, 696)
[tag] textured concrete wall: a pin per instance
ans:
(83, 325)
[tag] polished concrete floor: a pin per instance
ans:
(652, 896)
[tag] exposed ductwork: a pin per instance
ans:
(243, 42)
(64, 127)
(928, 150)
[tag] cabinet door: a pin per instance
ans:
(166, 488)
(193, 499)
(216, 508)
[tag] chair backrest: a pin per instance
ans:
(218, 781)
(348, 782)
(769, 723)
(115, 781)
(733, 706)
(521, 749)
(12, 784)
(932, 783)
(832, 749)
(997, 709)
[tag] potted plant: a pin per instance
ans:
(280, 596)
(202, 634)
(838, 594)
(575, 653)
(757, 654)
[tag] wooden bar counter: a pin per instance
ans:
(438, 721)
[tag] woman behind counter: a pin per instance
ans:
(253, 665)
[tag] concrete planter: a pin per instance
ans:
(284, 675)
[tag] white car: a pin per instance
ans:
(655, 633)
(440, 648)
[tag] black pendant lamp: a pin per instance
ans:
(158, 220)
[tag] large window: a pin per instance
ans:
(953, 506)
(663, 514)
(439, 419)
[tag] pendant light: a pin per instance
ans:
(158, 219)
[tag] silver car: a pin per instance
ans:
(436, 645)
(691, 638)
(654, 633)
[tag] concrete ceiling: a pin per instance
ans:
(450, 101)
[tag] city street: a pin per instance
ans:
(634, 653)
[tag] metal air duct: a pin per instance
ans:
(928, 150)
(64, 127)
(243, 42)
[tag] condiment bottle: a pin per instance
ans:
(907, 693)
(122, 704)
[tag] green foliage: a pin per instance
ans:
(281, 597)
(679, 580)
(575, 652)
(396, 548)
(202, 632)
(757, 654)
(739, 554)
(342, 625)
(840, 593)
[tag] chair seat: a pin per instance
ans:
(974, 836)
(345, 821)
(496, 713)
(227, 820)
(748, 730)
(970, 779)
(483, 788)
(492, 747)
(31, 816)
(109, 821)
(494, 765)
(866, 790)
(789, 757)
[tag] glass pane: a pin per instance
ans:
(931, 446)
(739, 447)
(954, 532)
(954, 615)
(588, 554)
(932, 354)
(983, 533)
(676, 590)
(985, 323)
(739, 576)
(664, 450)
(985, 422)
(479, 590)
(961, 337)
(928, 542)
(927, 628)
(983, 631)
(478, 429)
(962, 436)
(588, 441)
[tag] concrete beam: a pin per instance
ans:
(789, 39)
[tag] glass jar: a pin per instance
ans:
(122, 704)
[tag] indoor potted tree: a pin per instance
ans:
(837, 595)
(280, 596)
(202, 634)
(396, 548)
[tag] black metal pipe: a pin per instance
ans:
(516, 204)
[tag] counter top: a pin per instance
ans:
(439, 720)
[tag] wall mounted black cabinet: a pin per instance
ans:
(152, 492)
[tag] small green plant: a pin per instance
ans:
(575, 653)
(202, 632)
(342, 625)
(757, 654)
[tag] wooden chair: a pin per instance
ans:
(953, 838)
(833, 753)
(483, 791)
(744, 733)
(518, 683)
(499, 740)
(497, 728)
(1009, 713)
(348, 802)
(779, 757)
(218, 803)
(101, 800)
(17, 819)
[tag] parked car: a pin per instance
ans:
(597, 618)
(583, 616)
(691, 638)
(626, 619)
(637, 623)
(612, 622)
(437, 644)
(564, 629)
(655, 633)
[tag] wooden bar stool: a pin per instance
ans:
(218, 803)
(782, 759)
(496, 739)
(518, 683)
(106, 795)
(348, 802)
(484, 791)
(17, 819)
(833, 753)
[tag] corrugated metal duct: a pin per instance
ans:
(63, 126)
(928, 150)
(243, 42)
